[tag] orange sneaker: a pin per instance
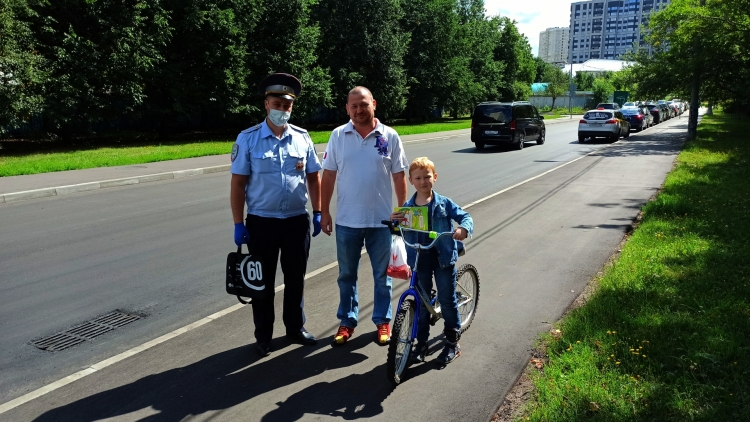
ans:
(342, 335)
(384, 333)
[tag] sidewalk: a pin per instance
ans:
(20, 188)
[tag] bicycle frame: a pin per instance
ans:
(414, 289)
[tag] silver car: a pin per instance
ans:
(608, 124)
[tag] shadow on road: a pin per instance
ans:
(491, 231)
(235, 376)
(493, 149)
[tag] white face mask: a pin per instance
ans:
(278, 117)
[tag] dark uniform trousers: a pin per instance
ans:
(291, 237)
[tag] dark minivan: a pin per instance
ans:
(496, 123)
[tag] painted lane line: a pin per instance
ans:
(145, 346)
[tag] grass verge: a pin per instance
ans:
(560, 111)
(665, 336)
(15, 165)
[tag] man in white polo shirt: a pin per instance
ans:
(362, 156)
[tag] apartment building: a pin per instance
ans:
(553, 45)
(602, 29)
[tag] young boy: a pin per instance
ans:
(439, 260)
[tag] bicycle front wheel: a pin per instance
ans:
(401, 341)
(467, 294)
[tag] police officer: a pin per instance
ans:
(274, 167)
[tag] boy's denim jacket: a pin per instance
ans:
(443, 212)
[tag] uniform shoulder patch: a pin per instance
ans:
(297, 128)
(252, 129)
(235, 150)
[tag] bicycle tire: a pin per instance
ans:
(467, 277)
(401, 341)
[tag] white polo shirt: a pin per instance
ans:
(364, 171)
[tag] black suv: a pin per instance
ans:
(496, 123)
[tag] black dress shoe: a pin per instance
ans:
(263, 348)
(302, 337)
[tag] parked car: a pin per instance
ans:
(609, 124)
(669, 110)
(498, 123)
(656, 112)
(607, 106)
(637, 118)
(677, 107)
(629, 104)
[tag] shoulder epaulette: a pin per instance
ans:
(297, 128)
(252, 129)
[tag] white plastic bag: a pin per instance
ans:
(397, 267)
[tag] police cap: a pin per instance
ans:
(281, 85)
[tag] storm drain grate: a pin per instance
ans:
(57, 342)
(86, 331)
(116, 319)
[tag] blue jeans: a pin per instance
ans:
(349, 242)
(445, 281)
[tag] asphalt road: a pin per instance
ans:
(158, 250)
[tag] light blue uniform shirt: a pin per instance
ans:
(276, 169)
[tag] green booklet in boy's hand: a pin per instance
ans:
(416, 217)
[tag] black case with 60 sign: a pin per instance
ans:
(245, 276)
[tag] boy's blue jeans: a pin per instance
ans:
(445, 281)
(349, 242)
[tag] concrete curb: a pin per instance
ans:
(83, 187)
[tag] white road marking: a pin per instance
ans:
(145, 346)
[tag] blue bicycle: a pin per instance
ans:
(405, 323)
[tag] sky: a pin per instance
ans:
(532, 16)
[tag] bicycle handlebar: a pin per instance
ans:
(394, 226)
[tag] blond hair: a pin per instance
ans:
(422, 163)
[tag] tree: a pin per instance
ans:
(557, 83)
(541, 69)
(623, 80)
(433, 48)
(290, 47)
(475, 74)
(584, 81)
(703, 46)
(602, 90)
(514, 51)
(100, 54)
(204, 69)
(22, 70)
(363, 44)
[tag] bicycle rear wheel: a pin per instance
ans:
(401, 341)
(467, 294)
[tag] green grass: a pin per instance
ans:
(14, 165)
(559, 111)
(106, 157)
(666, 337)
(321, 136)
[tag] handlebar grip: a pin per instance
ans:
(386, 222)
